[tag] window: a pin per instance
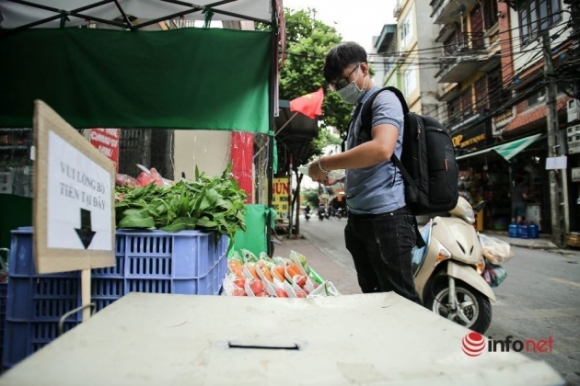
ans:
(410, 76)
(490, 13)
(537, 16)
(407, 30)
(454, 110)
(537, 98)
(494, 89)
(467, 103)
(481, 94)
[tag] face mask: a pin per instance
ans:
(351, 94)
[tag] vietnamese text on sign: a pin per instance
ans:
(78, 199)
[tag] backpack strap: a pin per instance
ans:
(354, 115)
(366, 125)
(367, 113)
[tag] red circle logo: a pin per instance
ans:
(473, 344)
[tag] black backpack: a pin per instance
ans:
(427, 161)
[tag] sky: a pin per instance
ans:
(357, 21)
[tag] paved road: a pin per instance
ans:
(539, 299)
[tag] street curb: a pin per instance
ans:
(539, 243)
(547, 246)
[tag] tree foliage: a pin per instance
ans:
(307, 42)
(312, 197)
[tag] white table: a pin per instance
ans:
(147, 339)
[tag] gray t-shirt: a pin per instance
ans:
(380, 188)
(517, 194)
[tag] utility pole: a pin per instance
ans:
(558, 208)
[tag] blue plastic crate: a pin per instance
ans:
(186, 262)
(21, 261)
(41, 298)
(158, 254)
(24, 338)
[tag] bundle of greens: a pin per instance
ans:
(206, 204)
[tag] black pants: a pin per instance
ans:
(381, 246)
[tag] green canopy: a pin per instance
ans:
(506, 150)
(190, 78)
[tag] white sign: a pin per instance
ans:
(78, 199)
(556, 163)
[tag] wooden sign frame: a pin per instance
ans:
(51, 260)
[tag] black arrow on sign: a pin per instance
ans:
(86, 232)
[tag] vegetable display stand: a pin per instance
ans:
(186, 262)
(222, 340)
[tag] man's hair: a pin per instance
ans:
(341, 56)
(519, 180)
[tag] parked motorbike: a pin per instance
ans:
(448, 271)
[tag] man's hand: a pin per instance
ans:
(316, 173)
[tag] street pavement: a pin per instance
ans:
(539, 298)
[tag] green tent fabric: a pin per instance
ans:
(190, 78)
(254, 239)
(507, 150)
(275, 160)
(16, 211)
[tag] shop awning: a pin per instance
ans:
(506, 150)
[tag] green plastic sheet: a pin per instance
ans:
(255, 237)
(190, 78)
(15, 212)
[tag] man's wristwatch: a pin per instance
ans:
(321, 168)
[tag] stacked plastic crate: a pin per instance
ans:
(187, 262)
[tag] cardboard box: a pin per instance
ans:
(573, 239)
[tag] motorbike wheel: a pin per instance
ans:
(474, 309)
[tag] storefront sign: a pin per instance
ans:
(465, 122)
(107, 141)
(471, 138)
(74, 211)
(280, 193)
(503, 118)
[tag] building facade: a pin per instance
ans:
(492, 69)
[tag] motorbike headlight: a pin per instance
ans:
(443, 255)
(480, 266)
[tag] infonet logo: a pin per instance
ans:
(474, 344)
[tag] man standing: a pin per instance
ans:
(519, 195)
(380, 232)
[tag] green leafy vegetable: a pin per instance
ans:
(208, 204)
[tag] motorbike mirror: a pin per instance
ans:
(479, 206)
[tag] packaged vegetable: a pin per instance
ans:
(126, 180)
(495, 250)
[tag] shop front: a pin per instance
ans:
(490, 173)
(472, 171)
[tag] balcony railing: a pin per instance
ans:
(464, 42)
(448, 11)
(461, 57)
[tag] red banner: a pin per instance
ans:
(242, 148)
(107, 141)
